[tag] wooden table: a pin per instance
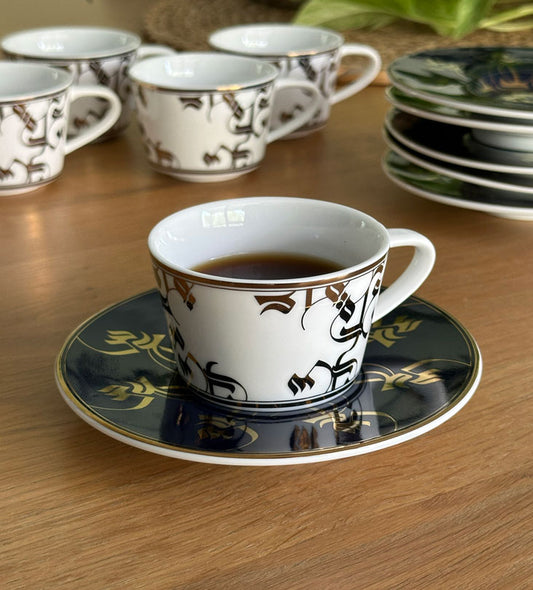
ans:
(449, 509)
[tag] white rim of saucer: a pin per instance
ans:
(449, 157)
(458, 119)
(395, 146)
(464, 105)
(515, 213)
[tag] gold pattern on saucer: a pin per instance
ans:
(142, 389)
(414, 374)
(125, 342)
(388, 334)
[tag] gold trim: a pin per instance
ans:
(311, 282)
(234, 88)
(55, 61)
(295, 54)
(29, 98)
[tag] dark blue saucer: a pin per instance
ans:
(116, 371)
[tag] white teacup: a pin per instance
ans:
(94, 55)
(269, 343)
(206, 116)
(301, 53)
(34, 107)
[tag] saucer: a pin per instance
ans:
(450, 191)
(495, 81)
(506, 182)
(454, 144)
(454, 116)
(116, 372)
(519, 160)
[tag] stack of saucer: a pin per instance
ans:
(460, 130)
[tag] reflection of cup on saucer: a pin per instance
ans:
(206, 116)
(94, 55)
(270, 300)
(190, 421)
(301, 53)
(34, 107)
(518, 142)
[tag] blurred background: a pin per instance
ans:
(393, 27)
(28, 14)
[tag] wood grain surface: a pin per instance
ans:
(450, 509)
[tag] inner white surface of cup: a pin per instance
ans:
(24, 81)
(275, 40)
(66, 43)
(202, 71)
(293, 225)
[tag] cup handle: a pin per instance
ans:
(413, 276)
(154, 50)
(367, 76)
(109, 119)
(303, 117)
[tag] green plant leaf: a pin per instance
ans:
(509, 20)
(342, 15)
(452, 18)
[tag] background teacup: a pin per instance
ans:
(94, 55)
(301, 53)
(34, 107)
(206, 116)
(276, 343)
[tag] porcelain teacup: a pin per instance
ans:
(248, 339)
(34, 107)
(94, 55)
(301, 53)
(205, 117)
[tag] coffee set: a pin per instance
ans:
(257, 85)
(241, 368)
(460, 128)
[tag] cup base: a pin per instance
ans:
(277, 407)
(23, 189)
(304, 131)
(190, 176)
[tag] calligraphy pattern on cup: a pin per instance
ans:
(321, 70)
(349, 308)
(245, 114)
(110, 72)
(113, 73)
(35, 131)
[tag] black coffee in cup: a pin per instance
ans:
(268, 266)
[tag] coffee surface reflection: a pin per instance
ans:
(268, 266)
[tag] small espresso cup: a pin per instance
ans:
(34, 109)
(94, 55)
(269, 300)
(206, 116)
(301, 53)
